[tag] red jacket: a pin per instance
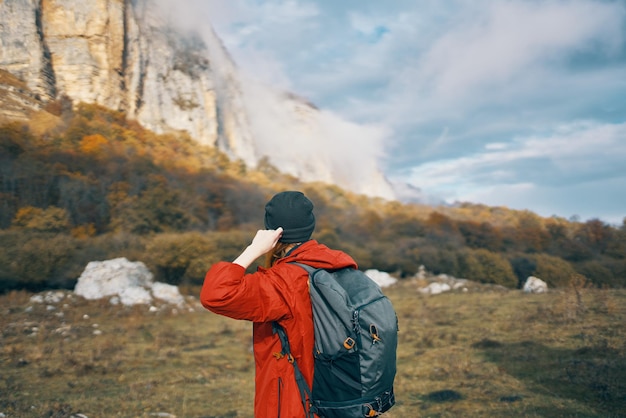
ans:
(281, 294)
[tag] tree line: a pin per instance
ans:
(85, 184)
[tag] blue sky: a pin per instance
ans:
(517, 103)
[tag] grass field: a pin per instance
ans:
(487, 352)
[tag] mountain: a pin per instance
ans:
(127, 56)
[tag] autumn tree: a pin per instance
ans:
(51, 219)
(531, 236)
(481, 235)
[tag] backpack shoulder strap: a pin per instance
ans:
(306, 396)
(308, 268)
(305, 392)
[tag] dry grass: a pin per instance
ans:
(484, 353)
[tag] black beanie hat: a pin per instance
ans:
(293, 211)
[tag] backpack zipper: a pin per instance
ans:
(356, 326)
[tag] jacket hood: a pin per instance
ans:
(318, 255)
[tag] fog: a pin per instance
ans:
(297, 137)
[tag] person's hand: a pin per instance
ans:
(266, 239)
(263, 241)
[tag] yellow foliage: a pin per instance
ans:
(51, 219)
(93, 144)
(84, 231)
(25, 214)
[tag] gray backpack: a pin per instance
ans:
(356, 336)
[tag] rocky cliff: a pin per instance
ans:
(124, 55)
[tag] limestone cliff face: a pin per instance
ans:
(23, 52)
(122, 54)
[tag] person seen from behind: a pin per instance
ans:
(277, 292)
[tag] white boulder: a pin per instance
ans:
(382, 278)
(108, 278)
(125, 282)
(535, 285)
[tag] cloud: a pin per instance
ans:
(515, 40)
(521, 173)
(524, 96)
(582, 147)
(314, 144)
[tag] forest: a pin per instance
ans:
(79, 184)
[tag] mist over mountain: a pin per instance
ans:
(130, 56)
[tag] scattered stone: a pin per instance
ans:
(435, 288)
(437, 284)
(37, 298)
(421, 273)
(54, 297)
(51, 297)
(460, 284)
(64, 330)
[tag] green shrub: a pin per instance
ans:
(37, 260)
(555, 271)
(181, 258)
(604, 272)
(487, 267)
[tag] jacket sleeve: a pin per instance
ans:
(256, 297)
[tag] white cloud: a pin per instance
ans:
(513, 40)
(569, 148)
(503, 55)
(496, 146)
(315, 145)
(571, 157)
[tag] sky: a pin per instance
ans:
(516, 103)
